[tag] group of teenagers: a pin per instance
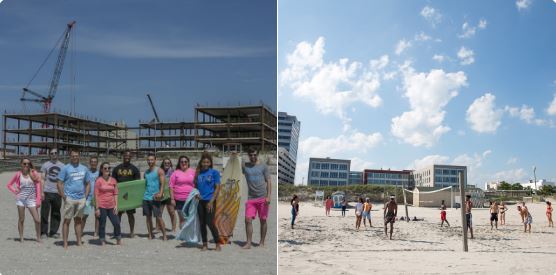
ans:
(73, 187)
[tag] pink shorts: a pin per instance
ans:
(254, 206)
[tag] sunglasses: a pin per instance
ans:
(106, 168)
(53, 153)
(26, 163)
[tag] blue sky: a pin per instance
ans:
(402, 84)
(181, 52)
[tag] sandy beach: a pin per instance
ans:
(331, 245)
(135, 256)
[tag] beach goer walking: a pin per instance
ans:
(182, 181)
(166, 202)
(367, 206)
(443, 214)
(89, 209)
(493, 209)
(122, 173)
(344, 206)
(328, 203)
(73, 186)
(526, 216)
(52, 202)
(468, 216)
(295, 208)
(502, 213)
(358, 213)
(390, 213)
(106, 198)
(259, 195)
(26, 186)
(154, 181)
(207, 181)
(549, 211)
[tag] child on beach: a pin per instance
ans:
(328, 204)
(502, 213)
(358, 213)
(28, 195)
(367, 206)
(344, 206)
(443, 214)
(295, 208)
(549, 214)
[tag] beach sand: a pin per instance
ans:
(331, 245)
(137, 256)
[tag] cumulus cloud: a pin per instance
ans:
(358, 164)
(422, 37)
(469, 31)
(349, 142)
(523, 4)
(428, 94)
(512, 160)
(552, 107)
(439, 58)
(466, 56)
(428, 161)
(527, 114)
(332, 86)
(483, 115)
(402, 45)
(432, 15)
(511, 176)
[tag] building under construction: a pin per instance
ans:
(214, 128)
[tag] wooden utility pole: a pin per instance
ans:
(405, 203)
(463, 208)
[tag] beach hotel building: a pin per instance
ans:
(391, 177)
(355, 177)
(328, 172)
(288, 139)
(439, 176)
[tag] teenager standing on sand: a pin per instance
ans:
(390, 213)
(26, 186)
(122, 173)
(443, 214)
(527, 218)
(207, 181)
(344, 206)
(259, 195)
(52, 202)
(549, 214)
(182, 181)
(367, 206)
(358, 213)
(502, 213)
(493, 209)
(154, 181)
(106, 197)
(73, 186)
(89, 209)
(166, 165)
(328, 205)
(468, 216)
(295, 208)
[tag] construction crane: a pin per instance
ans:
(46, 101)
(157, 120)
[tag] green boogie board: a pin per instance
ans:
(130, 194)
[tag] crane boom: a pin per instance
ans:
(156, 117)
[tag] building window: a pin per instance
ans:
(333, 166)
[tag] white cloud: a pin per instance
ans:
(332, 86)
(486, 153)
(552, 108)
(432, 15)
(428, 94)
(402, 45)
(422, 37)
(328, 147)
(469, 31)
(358, 164)
(466, 56)
(483, 115)
(523, 4)
(511, 176)
(427, 161)
(512, 160)
(439, 58)
(527, 114)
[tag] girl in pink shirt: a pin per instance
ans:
(106, 196)
(28, 195)
(181, 184)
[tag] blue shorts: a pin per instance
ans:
(366, 215)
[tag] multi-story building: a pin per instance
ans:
(288, 139)
(286, 167)
(328, 172)
(539, 185)
(355, 177)
(391, 177)
(439, 176)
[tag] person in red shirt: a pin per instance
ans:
(328, 204)
(106, 196)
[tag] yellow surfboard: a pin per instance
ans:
(227, 202)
